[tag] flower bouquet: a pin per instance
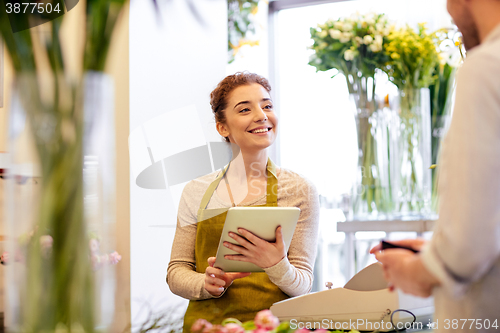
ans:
(264, 322)
(413, 58)
(442, 95)
(355, 47)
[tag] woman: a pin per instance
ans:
(245, 117)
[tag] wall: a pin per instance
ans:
(177, 56)
(118, 66)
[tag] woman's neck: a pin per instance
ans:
(246, 166)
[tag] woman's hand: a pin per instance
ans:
(256, 250)
(216, 280)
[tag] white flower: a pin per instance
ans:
(347, 26)
(375, 47)
(335, 34)
(358, 39)
(370, 21)
(349, 55)
(379, 40)
(379, 27)
(346, 36)
(370, 16)
(323, 34)
(368, 39)
(338, 25)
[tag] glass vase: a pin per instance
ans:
(439, 127)
(413, 184)
(58, 218)
(371, 190)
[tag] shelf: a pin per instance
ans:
(351, 227)
(386, 225)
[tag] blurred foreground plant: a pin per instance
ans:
(58, 289)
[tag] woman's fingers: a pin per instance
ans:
(236, 248)
(214, 278)
(214, 271)
(239, 275)
(211, 261)
(279, 237)
(247, 240)
(213, 289)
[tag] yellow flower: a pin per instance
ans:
(395, 56)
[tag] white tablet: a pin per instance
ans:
(261, 221)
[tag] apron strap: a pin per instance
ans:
(272, 186)
(211, 189)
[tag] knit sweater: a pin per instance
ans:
(293, 274)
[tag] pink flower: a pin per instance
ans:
(200, 325)
(46, 242)
(215, 329)
(266, 320)
(114, 258)
(260, 330)
(94, 246)
(234, 328)
(4, 259)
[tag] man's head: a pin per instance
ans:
(475, 18)
(460, 11)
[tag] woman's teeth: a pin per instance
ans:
(262, 130)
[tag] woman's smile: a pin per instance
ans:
(261, 130)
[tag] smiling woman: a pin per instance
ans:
(245, 117)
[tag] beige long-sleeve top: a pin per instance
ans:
(293, 274)
(464, 253)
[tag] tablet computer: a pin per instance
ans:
(262, 222)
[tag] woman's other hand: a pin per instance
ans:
(256, 250)
(216, 280)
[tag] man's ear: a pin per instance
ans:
(222, 129)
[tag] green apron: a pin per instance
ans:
(246, 296)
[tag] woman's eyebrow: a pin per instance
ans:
(242, 102)
(247, 102)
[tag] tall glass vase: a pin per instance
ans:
(371, 190)
(49, 284)
(58, 234)
(413, 183)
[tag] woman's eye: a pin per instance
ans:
(245, 110)
(268, 107)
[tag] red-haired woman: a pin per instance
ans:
(245, 117)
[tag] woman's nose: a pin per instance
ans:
(260, 115)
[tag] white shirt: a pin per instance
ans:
(464, 253)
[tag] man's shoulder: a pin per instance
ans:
(484, 55)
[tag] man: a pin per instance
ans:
(460, 266)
